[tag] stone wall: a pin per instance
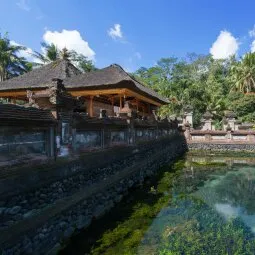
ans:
(247, 136)
(224, 147)
(41, 214)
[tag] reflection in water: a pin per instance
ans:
(203, 205)
(233, 195)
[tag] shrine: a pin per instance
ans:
(108, 88)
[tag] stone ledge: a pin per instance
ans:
(248, 147)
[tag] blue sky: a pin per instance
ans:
(132, 33)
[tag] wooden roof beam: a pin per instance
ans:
(142, 98)
(126, 92)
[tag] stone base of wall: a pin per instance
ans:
(53, 224)
(221, 147)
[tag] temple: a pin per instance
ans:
(62, 111)
(108, 88)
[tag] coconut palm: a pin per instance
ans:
(51, 53)
(242, 74)
(10, 63)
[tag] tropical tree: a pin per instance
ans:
(10, 63)
(243, 74)
(52, 53)
(82, 62)
(197, 80)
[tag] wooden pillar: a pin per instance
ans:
(149, 108)
(112, 100)
(124, 101)
(120, 102)
(91, 106)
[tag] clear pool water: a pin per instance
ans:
(201, 205)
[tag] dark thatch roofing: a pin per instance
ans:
(42, 76)
(16, 112)
(111, 77)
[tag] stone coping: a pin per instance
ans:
(219, 142)
(222, 132)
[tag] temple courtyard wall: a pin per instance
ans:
(222, 147)
(41, 206)
(223, 141)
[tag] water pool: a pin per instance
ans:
(200, 205)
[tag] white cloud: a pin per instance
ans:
(23, 4)
(71, 39)
(115, 32)
(27, 53)
(138, 55)
(252, 35)
(252, 32)
(225, 46)
(253, 46)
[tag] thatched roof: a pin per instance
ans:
(112, 76)
(10, 112)
(41, 77)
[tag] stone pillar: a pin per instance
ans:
(207, 120)
(187, 132)
(207, 125)
(230, 119)
(229, 135)
(188, 115)
(231, 123)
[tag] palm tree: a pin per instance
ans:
(242, 74)
(51, 53)
(81, 62)
(10, 63)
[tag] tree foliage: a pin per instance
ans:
(243, 73)
(10, 63)
(204, 83)
(52, 53)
